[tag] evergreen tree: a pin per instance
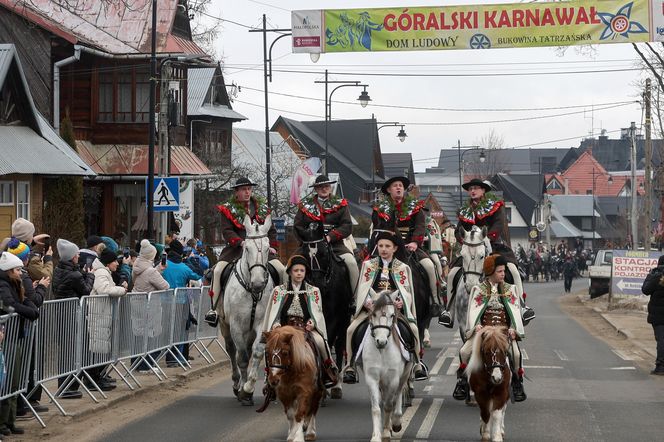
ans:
(63, 199)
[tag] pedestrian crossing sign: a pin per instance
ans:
(165, 194)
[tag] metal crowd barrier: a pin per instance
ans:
(75, 336)
(16, 354)
(56, 344)
(205, 334)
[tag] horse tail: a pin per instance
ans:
(475, 363)
(303, 357)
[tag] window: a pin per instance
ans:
(23, 199)
(554, 185)
(508, 214)
(6, 193)
(124, 97)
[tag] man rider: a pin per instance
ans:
(333, 213)
(484, 209)
(404, 215)
(232, 215)
(383, 272)
(493, 303)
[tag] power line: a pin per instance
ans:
(373, 104)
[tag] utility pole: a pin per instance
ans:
(648, 172)
(634, 212)
(164, 154)
(153, 91)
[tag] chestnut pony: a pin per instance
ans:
(489, 376)
(292, 371)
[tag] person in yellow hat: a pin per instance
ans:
(493, 303)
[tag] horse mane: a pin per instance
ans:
(487, 336)
(384, 299)
(302, 357)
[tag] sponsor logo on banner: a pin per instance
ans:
(535, 24)
(307, 31)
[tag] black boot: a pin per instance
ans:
(420, 373)
(350, 375)
(462, 387)
(517, 389)
(528, 315)
(330, 374)
(445, 319)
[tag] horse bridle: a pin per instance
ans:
(472, 272)
(389, 328)
(276, 360)
(256, 295)
(314, 258)
(494, 361)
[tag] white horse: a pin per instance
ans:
(475, 248)
(245, 301)
(385, 369)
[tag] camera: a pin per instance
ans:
(125, 252)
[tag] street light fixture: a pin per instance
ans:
(267, 74)
(364, 100)
(402, 135)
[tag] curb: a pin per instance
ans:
(172, 380)
(621, 331)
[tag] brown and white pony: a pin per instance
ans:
(293, 373)
(489, 376)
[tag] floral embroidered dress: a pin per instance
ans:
(485, 300)
(407, 219)
(232, 216)
(331, 214)
(283, 296)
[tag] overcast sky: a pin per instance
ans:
(241, 53)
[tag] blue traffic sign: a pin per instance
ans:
(280, 227)
(165, 194)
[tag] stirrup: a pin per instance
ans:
(461, 390)
(445, 319)
(350, 376)
(528, 315)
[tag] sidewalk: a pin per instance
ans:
(628, 317)
(80, 408)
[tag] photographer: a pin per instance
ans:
(40, 262)
(653, 286)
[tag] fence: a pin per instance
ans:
(98, 334)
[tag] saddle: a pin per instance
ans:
(407, 336)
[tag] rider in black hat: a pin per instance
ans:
(232, 216)
(404, 215)
(485, 209)
(323, 207)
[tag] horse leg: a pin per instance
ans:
(258, 350)
(484, 403)
(232, 354)
(398, 407)
(290, 415)
(498, 424)
(245, 397)
(311, 428)
(374, 392)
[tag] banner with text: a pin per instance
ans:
(515, 25)
(629, 269)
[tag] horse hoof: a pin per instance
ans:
(310, 436)
(411, 392)
(247, 402)
(471, 402)
(396, 428)
(385, 439)
(336, 393)
(236, 391)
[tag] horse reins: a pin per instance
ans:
(276, 360)
(256, 295)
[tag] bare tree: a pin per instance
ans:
(495, 162)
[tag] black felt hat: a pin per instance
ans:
(405, 181)
(297, 259)
(243, 181)
(322, 180)
(477, 182)
(388, 236)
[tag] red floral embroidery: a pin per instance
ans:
(274, 298)
(479, 299)
(316, 296)
(402, 275)
(513, 299)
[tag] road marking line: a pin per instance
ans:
(561, 355)
(524, 355)
(407, 417)
(429, 419)
(622, 368)
(625, 357)
(553, 367)
(452, 368)
(449, 352)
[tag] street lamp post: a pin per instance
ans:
(364, 100)
(379, 125)
(267, 75)
(461, 155)
(609, 181)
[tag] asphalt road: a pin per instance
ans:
(579, 390)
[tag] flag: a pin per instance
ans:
(302, 177)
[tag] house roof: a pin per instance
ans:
(249, 147)
(614, 154)
(399, 164)
(449, 203)
(199, 81)
(436, 179)
(114, 27)
(132, 159)
(504, 160)
(33, 148)
(574, 205)
(523, 189)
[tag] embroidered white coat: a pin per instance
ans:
(314, 305)
(402, 277)
(479, 299)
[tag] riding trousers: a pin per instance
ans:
(359, 319)
(514, 351)
(430, 268)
